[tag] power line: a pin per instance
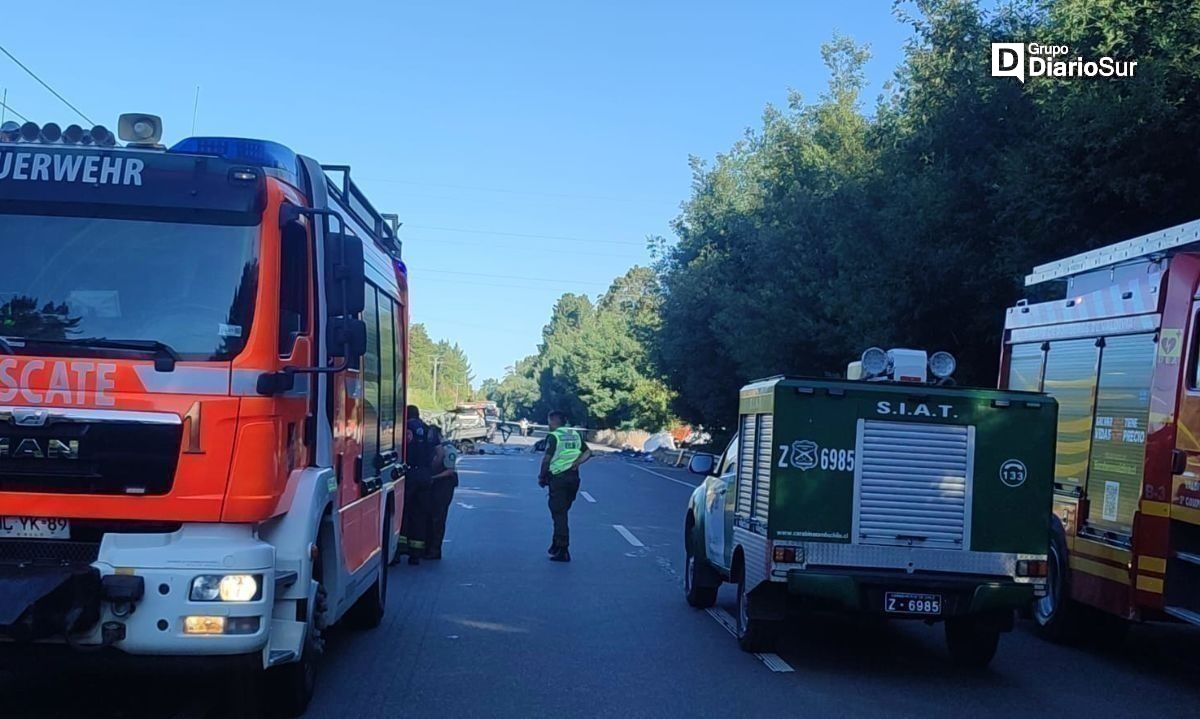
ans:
(511, 277)
(43, 83)
(525, 235)
(475, 283)
(506, 247)
(506, 191)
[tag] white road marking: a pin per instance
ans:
(588, 497)
(773, 661)
(628, 535)
(669, 479)
(464, 505)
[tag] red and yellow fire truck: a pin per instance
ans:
(1119, 351)
(202, 363)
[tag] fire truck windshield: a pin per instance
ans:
(188, 286)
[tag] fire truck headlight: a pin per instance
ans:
(874, 361)
(226, 588)
(942, 364)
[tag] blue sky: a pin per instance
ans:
(529, 147)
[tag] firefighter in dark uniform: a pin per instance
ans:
(565, 451)
(414, 527)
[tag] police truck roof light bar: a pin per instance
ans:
(1138, 247)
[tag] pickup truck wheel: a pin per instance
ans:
(753, 634)
(1056, 616)
(701, 597)
(972, 643)
(288, 689)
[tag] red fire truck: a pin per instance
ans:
(202, 363)
(1119, 351)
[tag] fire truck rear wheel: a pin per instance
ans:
(972, 642)
(1056, 616)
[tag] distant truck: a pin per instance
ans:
(891, 497)
(467, 426)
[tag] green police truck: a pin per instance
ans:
(892, 495)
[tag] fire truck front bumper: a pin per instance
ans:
(201, 590)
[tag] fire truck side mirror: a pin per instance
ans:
(345, 275)
(347, 339)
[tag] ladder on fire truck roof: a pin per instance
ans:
(1152, 244)
(383, 227)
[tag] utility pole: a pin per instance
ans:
(436, 361)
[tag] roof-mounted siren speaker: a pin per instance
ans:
(140, 129)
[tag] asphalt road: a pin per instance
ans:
(496, 630)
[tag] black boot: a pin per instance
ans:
(414, 559)
(562, 555)
(553, 549)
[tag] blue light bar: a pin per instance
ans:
(261, 153)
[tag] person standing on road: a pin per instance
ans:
(524, 427)
(414, 526)
(565, 451)
(441, 492)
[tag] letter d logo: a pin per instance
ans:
(1008, 60)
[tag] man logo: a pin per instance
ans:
(1008, 60)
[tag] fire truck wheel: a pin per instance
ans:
(753, 634)
(1056, 616)
(696, 578)
(972, 642)
(288, 689)
(367, 612)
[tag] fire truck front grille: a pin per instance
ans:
(914, 484)
(42, 551)
(89, 457)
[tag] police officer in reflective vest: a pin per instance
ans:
(565, 451)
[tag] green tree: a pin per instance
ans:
(454, 376)
(594, 361)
